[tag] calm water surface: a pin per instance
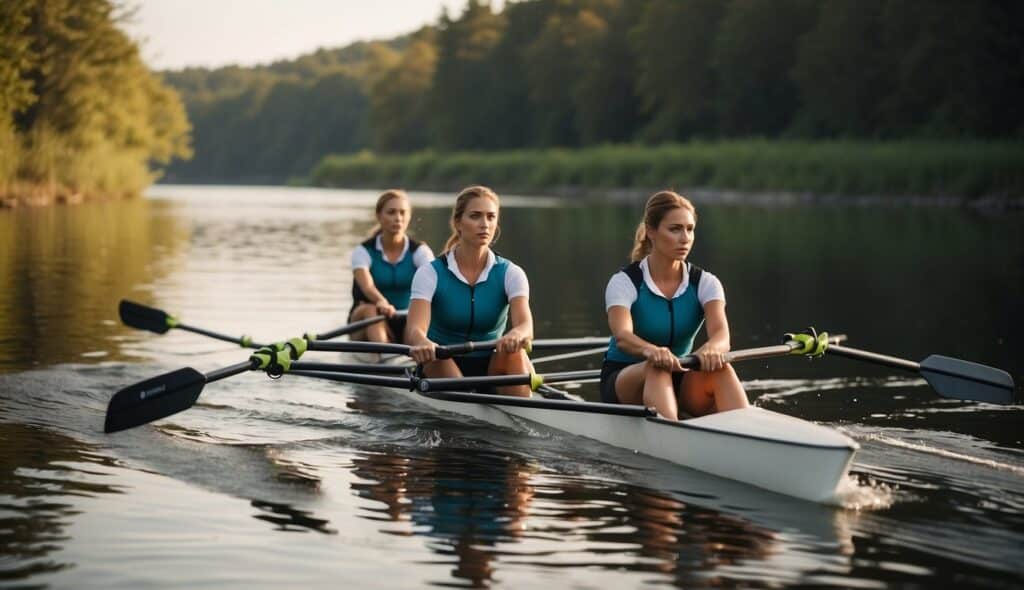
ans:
(295, 483)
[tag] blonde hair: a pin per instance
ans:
(655, 210)
(382, 200)
(461, 202)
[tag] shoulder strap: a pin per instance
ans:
(696, 273)
(635, 274)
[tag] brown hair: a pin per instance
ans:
(461, 202)
(655, 210)
(382, 200)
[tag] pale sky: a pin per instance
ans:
(178, 33)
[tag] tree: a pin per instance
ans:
(399, 111)
(754, 53)
(843, 70)
(463, 84)
(676, 83)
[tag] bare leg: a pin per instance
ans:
(703, 393)
(516, 363)
(644, 384)
(377, 332)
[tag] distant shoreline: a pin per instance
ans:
(987, 174)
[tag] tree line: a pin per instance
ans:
(80, 113)
(578, 73)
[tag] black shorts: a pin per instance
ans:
(610, 372)
(475, 366)
(397, 327)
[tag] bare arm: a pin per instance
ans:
(522, 326)
(365, 281)
(712, 353)
(416, 325)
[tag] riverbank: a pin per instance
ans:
(41, 195)
(913, 172)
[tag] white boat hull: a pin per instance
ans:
(759, 447)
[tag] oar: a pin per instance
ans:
(949, 377)
(158, 321)
(178, 390)
(425, 384)
(451, 350)
(163, 395)
(800, 344)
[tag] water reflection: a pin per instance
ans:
(287, 518)
(42, 475)
(490, 513)
(62, 270)
(444, 494)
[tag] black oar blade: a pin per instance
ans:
(153, 399)
(960, 379)
(143, 317)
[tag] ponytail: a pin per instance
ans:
(655, 210)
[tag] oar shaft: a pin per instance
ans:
(874, 357)
(358, 378)
(231, 371)
(355, 326)
(240, 341)
(445, 383)
(368, 368)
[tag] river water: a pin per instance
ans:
(298, 483)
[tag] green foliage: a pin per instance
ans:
(919, 168)
(82, 114)
(399, 107)
(583, 73)
(673, 45)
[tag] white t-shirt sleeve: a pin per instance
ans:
(360, 258)
(516, 284)
(422, 255)
(710, 288)
(620, 291)
(424, 283)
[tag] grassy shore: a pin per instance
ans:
(967, 170)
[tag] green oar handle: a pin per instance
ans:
(801, 346)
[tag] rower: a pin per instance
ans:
(656, 305)
(383, 267)
(470, 293)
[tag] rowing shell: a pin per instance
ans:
(766, 449)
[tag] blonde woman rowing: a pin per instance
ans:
(471, 293)
(656, 306)
(383, 267)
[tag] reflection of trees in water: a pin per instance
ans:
(64, 268)
(468, 501)
(37, 466)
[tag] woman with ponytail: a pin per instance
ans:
(383, 267)
(470, 293)
(656, 306)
